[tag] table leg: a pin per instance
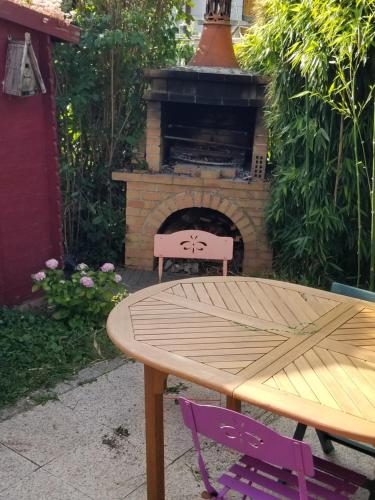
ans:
(300, 431)
(154, 388)
(233, 404)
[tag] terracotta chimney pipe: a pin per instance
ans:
(215, 45)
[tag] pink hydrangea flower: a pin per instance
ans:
(52, 264)
(40, 276)
(87, 282)
(107, 267)
(118, 278)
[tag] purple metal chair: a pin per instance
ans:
(272, 466)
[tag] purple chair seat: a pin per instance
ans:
(273, 466)
(328, 477)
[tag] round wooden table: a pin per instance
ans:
(303, 353)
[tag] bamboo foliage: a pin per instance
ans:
(320, 54)
(372, 192)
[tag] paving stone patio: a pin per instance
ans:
(89, 444)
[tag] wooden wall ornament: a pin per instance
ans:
(22, 73)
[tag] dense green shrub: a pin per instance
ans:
(320, 111)
(100, 85)
(86, 296)
(37, 351)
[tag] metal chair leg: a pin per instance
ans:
(300, 431)
(325, 442)
(370, 485)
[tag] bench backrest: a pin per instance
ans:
(193, 244)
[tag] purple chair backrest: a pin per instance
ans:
(193, 244)
(247, 436)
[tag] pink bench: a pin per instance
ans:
(193, 244)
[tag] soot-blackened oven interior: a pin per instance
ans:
(207, 135)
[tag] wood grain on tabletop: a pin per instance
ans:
(300, 352)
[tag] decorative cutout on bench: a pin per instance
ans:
(193, 245)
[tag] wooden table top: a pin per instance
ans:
(300, 352)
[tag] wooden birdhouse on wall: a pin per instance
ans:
(22, 73)
(30, 219)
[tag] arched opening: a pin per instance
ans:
(212, 221)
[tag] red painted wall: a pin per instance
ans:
(30, 222)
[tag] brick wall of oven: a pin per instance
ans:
(151, 198)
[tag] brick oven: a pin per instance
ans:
(206, 149)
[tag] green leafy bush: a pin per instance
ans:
(37, 351)
(101, 113)
(87, 296)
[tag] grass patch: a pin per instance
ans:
(88, 381)
(36, 352)
(42, 399)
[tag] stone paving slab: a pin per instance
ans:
(41, 485)
(111, 399)
(13, 467)
(135, 279)
(103, 471)
(69, 449)
(47, 432)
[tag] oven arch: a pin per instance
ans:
(212, 200)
